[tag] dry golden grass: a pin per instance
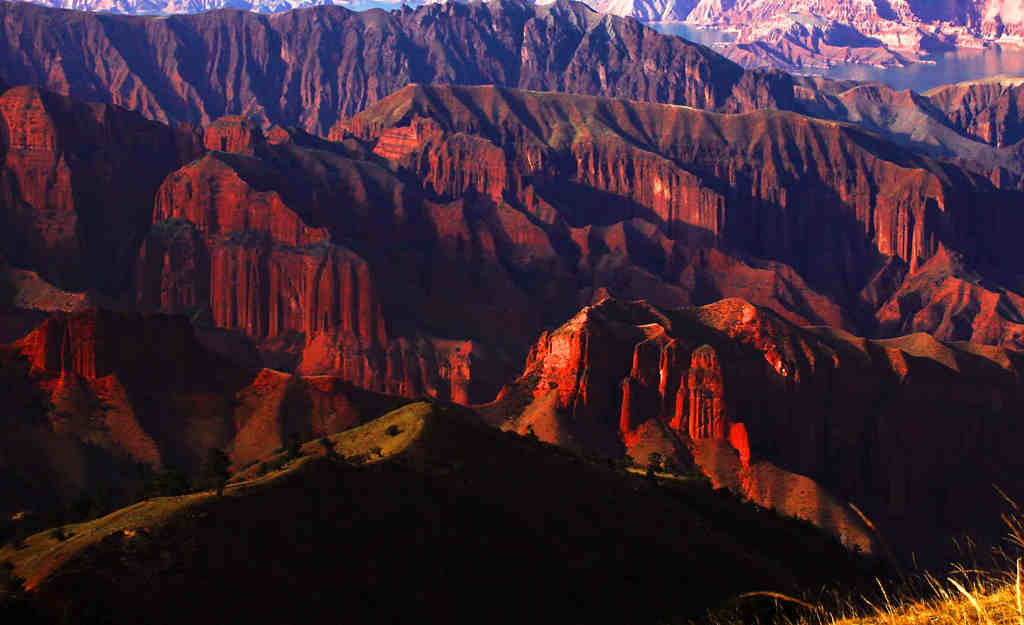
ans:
(43, 553)
(971, 601)
(962, 597)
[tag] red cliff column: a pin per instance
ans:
(704, 383)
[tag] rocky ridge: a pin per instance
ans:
(987, 110)
(291, 70)
(797, 419)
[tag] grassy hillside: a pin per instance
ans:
(43, 552)
(443, 520)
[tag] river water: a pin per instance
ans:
(947, 68)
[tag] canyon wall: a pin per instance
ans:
(756, 182)
(77, 185)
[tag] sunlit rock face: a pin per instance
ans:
(706, 395)
(803, 420)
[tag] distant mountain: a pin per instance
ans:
(992, 19)
(168, 7)
(311, 67)
(802, 34)
(821, 33)
(647, 10)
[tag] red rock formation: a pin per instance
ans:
(442, 368)
(271, 276)
(212, 195)
(77, 185)
(797, 419)
(234, 237)
(706, 403)
(560, 195)
(947, 300)
(396, 143)
(233, 133)
(740, 441)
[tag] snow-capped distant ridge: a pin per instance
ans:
(647, 10)
(170, 7)
(802, 34)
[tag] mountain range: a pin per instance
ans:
(805, 35)
(234, 231)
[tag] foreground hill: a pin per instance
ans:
(442, 524)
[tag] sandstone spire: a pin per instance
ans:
(707, 409)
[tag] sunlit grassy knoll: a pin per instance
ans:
(373, 440)
(377, 440)
(43, 553)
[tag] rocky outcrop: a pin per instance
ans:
(801, 420)
(288, 69)
(244, 240)
(706, 400)
(946, 298)
(77, 185)
(251, 261)
(233, 133)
